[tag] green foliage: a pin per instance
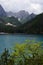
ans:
(8, 28)
(5, 58)
(34, 26)
(28, 53)
(11, 20)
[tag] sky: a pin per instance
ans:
(32, 6)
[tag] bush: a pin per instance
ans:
(28, 53)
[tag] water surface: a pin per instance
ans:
(8, 41)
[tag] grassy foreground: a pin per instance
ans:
(28, 53)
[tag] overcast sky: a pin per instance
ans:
(35, 6)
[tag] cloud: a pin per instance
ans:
(35, 6)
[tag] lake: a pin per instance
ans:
(8, 41)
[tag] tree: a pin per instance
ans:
(31, 54)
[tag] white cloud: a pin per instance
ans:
(35, 6)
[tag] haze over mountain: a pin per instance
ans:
(4, 19)
(22, 15)
(28, 18)
(32, 6)
(31, 23)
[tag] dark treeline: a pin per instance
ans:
(34, 26)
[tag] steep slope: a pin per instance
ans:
(9, 14)
(33, 26)
(9, 24)
(11, 20)
(2, 12)
(23, 16)
(28, 18)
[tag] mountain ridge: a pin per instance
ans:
(22, 15)
(2, 12)
(34, 26)
(31, 24)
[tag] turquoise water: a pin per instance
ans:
(8, 41)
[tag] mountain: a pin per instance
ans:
(31, 16)
(9, 24)
(28, 18)
(11, 20)
(2, 12)
(4, 19)
(23, 16)
(9, 14)
(20, 22)
(33, 26)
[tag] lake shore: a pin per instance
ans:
(4, 33)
